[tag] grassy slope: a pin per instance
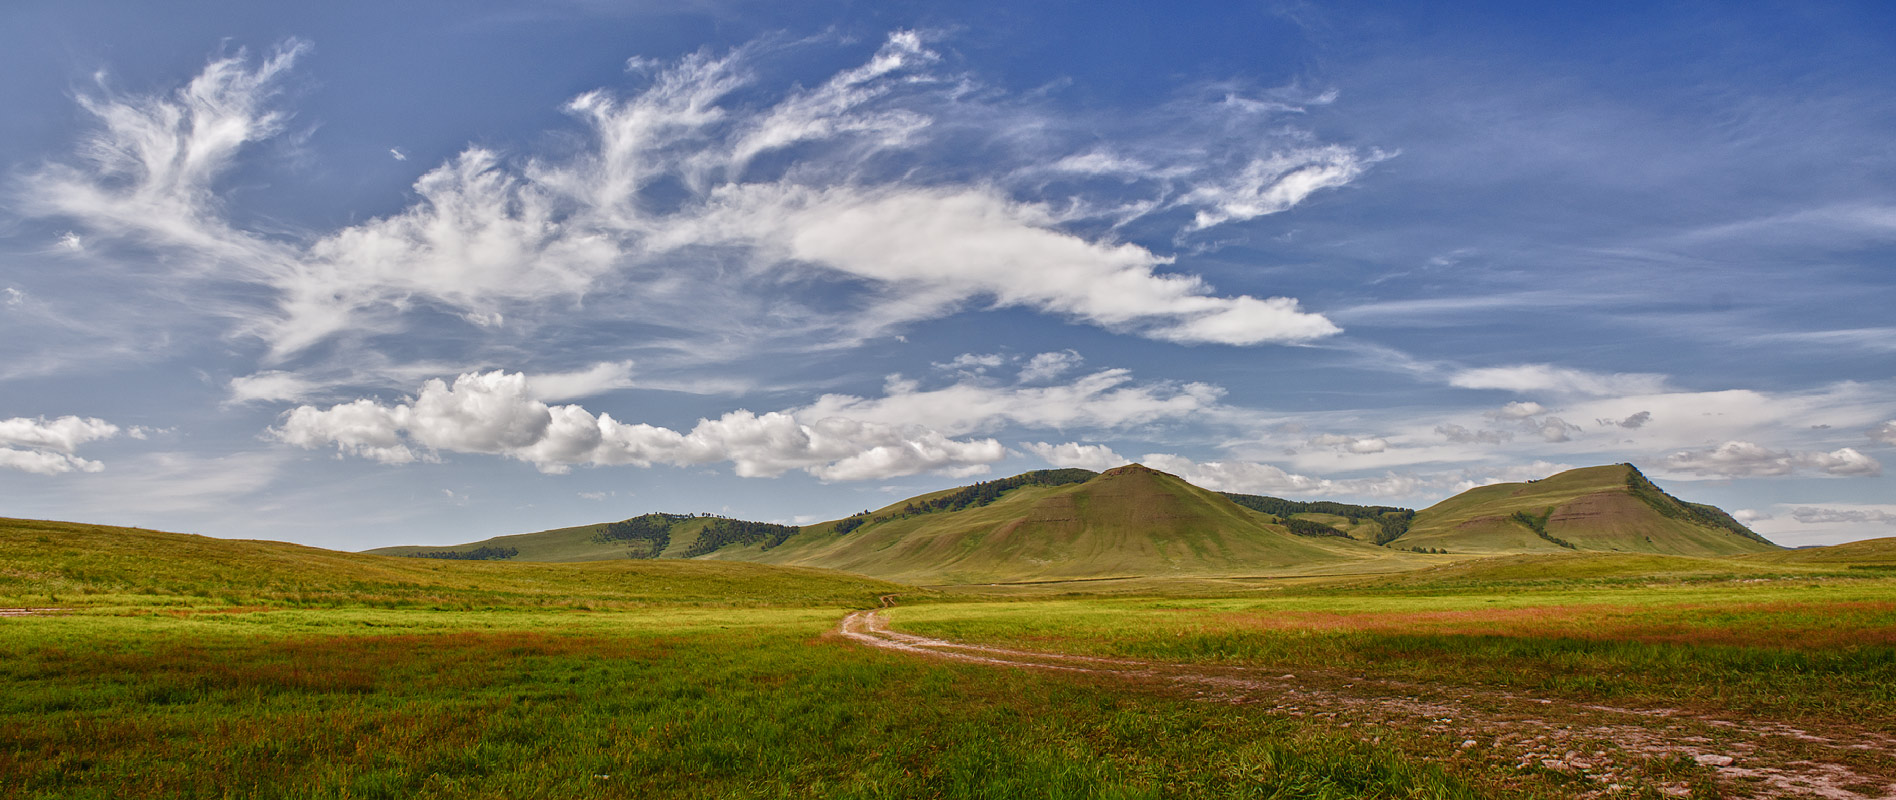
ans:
(578, 543)
(1593, 509)
(72, 565)
(1128, 522)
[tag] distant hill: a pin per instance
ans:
(1129, 521)
(1606, 509)
(65, 564)
(1074, 524)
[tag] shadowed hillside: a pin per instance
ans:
(1611, 508)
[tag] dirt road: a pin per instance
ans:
(1612, 750)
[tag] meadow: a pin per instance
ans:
(186, 667)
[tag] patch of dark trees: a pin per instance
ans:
(1391, 522)
(721, 532)
(645, 535)
(1539, 526)
(476, 554)
(1304, 527)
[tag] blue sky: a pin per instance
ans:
(352, 275)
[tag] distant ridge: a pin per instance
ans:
(1134, 521)
(1130, 521)
(1611, 508)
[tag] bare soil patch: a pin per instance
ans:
(1597, 750)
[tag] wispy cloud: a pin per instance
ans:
(493, 239)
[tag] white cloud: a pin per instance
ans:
(49, 447)
(44, 462)
(973, 363)
(1360, 445)
(1749, 515)
(946, 246)
(63, 435)
(1516, 410)
(1884, 433)
(1047, 366)
(496, 413)
(1276, 183)
(1738, 459)
(1524, 378)
(1815, 516)
(1105, 399)
(270, 386)
(491, 238)
(597, 379)
(397, 154)
(1096, 457)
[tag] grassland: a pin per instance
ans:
(188, 667)
(92, 566)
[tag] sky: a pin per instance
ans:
(360, 274)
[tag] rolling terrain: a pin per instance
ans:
(1134, 523)
(68, 564)
(1609, 509)
(1129, 521)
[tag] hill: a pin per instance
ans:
(1126, 522)
(645, 536)
(67, 564)
(1608, 509)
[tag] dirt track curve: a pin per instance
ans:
(1610, 748)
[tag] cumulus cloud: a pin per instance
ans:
(844, 200)
(1524, 378)
(496, 413)
(1096, 457)
(1739, 459)
(49, 447)
(1749, 515)
(1813, 516)
(1884, 433)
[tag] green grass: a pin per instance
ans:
(661, 701)
(1794, 648)
(202, 667)
(67, 564)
